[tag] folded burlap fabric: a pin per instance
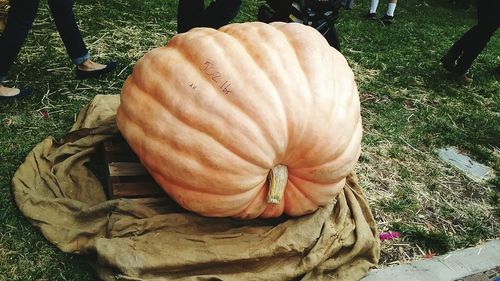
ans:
(154, 239)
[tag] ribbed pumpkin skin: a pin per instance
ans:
(213, 111)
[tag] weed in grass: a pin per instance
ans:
(477, 227)
(436, 241)
(404, 200)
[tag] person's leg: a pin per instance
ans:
(473, 47)
(282, 9)
(373, 6)
(391, 7)
(458, 47)
(188, 13)
(487, 12)
(21, 15)
(456, 50)
(64, 18)
(449, 60)
(478, 37)
(372, 13)
(388, 18)
(332, 37)
(219, 13)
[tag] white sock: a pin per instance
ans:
(390, 9)
(373, 6)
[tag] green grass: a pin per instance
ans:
(435, 241)
(409, 110)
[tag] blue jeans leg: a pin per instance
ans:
(64, 18)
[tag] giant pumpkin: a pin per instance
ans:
(250, 120)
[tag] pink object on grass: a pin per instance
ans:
(389, 235)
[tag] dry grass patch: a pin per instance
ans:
(434, 207)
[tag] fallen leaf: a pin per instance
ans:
(44, 113)
(429, 226)
(429, 255)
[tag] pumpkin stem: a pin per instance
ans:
(278, 177)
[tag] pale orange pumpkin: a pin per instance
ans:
(215, 113)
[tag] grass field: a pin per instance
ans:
(409, 107)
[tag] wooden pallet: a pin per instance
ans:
(125, 175)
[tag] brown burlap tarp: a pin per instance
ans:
(151, 239)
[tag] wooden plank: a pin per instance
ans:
(109, 181)
(137, 189)
(126, 177)
(124, 169)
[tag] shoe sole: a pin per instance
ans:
(80, 74)
(24, 92)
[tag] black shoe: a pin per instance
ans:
(386, 19)
(82, 74)
(461, 78)
(371, 16)
(448, 62)
(23, 92)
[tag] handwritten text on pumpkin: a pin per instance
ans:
(210, 69)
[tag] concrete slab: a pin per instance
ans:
(449, 267)
(472, 169)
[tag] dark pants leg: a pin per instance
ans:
(64, 18)
(217, 14)
(21, 15)
(478, 37)
(332, 36)
(458, 47)
(282, 9)
(188, 12)
(470, 45)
